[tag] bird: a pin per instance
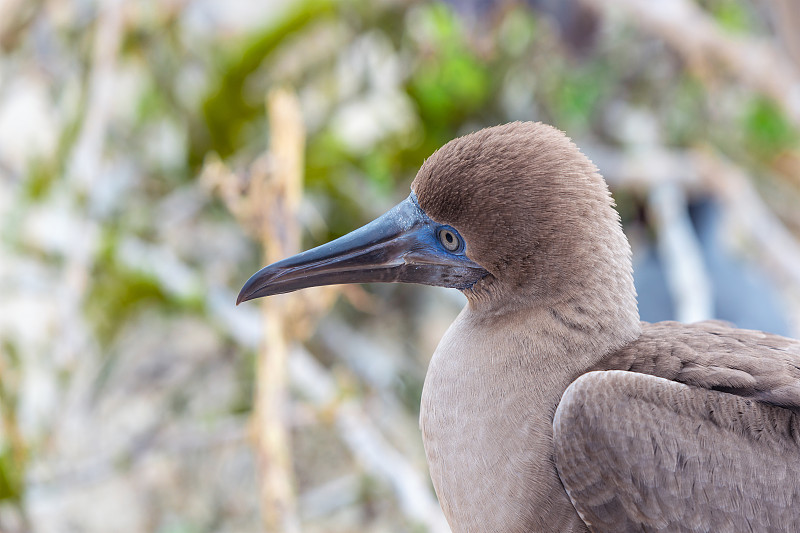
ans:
(548, 405)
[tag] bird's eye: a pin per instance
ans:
(449, 240)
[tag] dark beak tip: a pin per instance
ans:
(243, 297)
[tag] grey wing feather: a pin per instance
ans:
(712, 355)
(641, 453)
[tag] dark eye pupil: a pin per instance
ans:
(449, 240)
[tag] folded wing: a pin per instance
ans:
(637, 452)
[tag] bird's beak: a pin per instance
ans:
(400, 246)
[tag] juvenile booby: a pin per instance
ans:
(548, 406)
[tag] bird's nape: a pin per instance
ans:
(403, 245)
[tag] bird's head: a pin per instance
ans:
(511, 215)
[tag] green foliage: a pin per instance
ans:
(333, 174)
(116, 295)
(13, 450)
(731, 15)
(450, 83)
(767, 131)
(246, 377)
(12, 476)
(228, 107)
(12, 483)
(686, 116)
(152, 105)
(44, 172)
(119, 292)
(579, 93)
(450, 86)
(41, 177)
(517, 32)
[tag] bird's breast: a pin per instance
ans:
(487, 430)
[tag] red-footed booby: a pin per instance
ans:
(548, 406)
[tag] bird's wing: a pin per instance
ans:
(640, 453)
(715, 356)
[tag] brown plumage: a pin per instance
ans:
(548, 406)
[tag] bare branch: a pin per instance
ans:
(755, 62)
(275, 196)
(681, 254)
(368, 445)
(708, 171)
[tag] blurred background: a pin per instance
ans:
(154, 154)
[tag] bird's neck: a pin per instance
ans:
(592, 315)
(488, 404)
(553, 344)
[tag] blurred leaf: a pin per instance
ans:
(578, 95)
(731, 15)
(766, 129)
(517, 31)
(687, 118)
(152, 104)
(451, 82)
(227, 109)
(41, 176)
(13, 450)
(118, 293)
(12, 476)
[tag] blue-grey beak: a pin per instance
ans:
(403, 245)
